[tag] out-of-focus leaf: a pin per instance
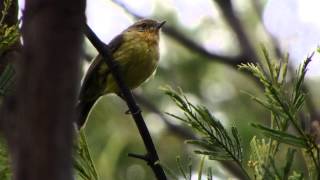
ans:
(282, 136)
(6, 79)
(296, 176)
(83, 163)
(201, 168)
(289, 162)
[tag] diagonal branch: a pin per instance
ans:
(233, 61)
(151, 157)
(236, 25)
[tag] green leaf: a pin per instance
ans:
(282, 136)
(209, 173)
(83, 163)
(296, 176)
(216, 142)
(178, 159)
(201, 168)
(5, 169)
(215, 155)
(289, 162)
(6, 79)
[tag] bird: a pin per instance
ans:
(136, 52)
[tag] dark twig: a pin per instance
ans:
(190, 44)
(139, 156)
(152, 157)
(235, 24)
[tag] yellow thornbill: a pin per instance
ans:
(136, 51)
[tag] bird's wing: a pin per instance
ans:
(92, 72)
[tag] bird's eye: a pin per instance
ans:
(142, 27)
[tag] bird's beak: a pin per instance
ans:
(159, 25)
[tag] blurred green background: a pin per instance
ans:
(214, 82)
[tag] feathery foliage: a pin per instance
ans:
(8, 34)
(285, 100)
(6, 80)
(187, 172)
(264, 166)
(5, 169)
(216, 142)
(83, 163)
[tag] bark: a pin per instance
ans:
(38, 118)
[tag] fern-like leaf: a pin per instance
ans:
(216, 142)
(83, 163)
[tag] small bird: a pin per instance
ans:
(135, 50)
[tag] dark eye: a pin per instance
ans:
(142, 27)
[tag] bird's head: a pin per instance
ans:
(146, 30)
(146, 26)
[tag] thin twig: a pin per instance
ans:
(236, 25)
(104, 50)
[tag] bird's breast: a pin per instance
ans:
(137, 58)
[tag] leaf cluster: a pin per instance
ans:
(187, 172)
(8, 34)
(83, 163)
(6, 80)
(284, 99)
(215, 142)
(265, 166)
(5, 169)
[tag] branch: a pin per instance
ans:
(235, 24)
(151, 157)
(191, 45)
(185, 133)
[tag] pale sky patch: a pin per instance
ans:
(297, 27)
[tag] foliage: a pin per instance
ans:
(8, 34)
(216, 142)
(83, 163)
(5, 169)
(6, 80)
(260, 149)
(285, 100)
(186, 170)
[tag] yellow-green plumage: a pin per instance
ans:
(137, 63)
(136, 52)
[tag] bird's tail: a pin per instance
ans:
(83, 109)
